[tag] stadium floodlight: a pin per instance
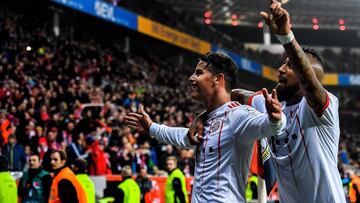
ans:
(315, 20)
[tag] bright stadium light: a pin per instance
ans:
(207, 14)
(234, 16)
(315, 20)
(207, 21)
(28, 48)
(341, 21)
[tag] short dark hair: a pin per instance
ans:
(221, 63)
(314, 53)
(62, 154)
(35, 154)
(81, 164)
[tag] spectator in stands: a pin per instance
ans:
(143, 158)
(175, 186)
(99, 160)
(77, 149)
(164, 155)
(35, 184)
(8, 190)
(15, 154)
(79, 167)
(144, 183)
(65, 186)
(186, 163)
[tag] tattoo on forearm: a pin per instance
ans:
(315, 93)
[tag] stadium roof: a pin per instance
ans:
(327, 12)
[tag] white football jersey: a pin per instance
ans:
(305, 153)
(223, 158)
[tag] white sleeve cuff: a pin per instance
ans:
(154, 128)
(278, 126)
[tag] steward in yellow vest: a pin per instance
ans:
(175, 186)
(129, 190)
(252, 188)
(8, 190)
(79, 167)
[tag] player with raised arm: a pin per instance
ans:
(224, 152)
(305, 153)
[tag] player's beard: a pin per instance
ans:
(285, 93)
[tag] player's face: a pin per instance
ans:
(201, 82)
(288, 83)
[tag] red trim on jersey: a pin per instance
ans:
(326, 105)
(219, 151)
(303, 141)
(203, 165)
(233, 105)
(249, 101)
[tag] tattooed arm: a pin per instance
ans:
(304, 67)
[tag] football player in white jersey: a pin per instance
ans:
(223, 156)
(305, 154)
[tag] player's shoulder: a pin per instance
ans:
(255, 98)
(233, 106)
(332, 97)
(239, 109)
(331, 100)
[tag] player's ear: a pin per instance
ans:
(219, 78)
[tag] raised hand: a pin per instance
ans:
(272, 104)
(277, 19)
(140, 121)
(196, 130)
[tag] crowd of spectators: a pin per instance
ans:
(62, 93)
(47, 82)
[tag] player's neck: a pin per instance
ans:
(294, 99)
(217, 100)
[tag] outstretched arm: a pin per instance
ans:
(279, 22)
(142, 123)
